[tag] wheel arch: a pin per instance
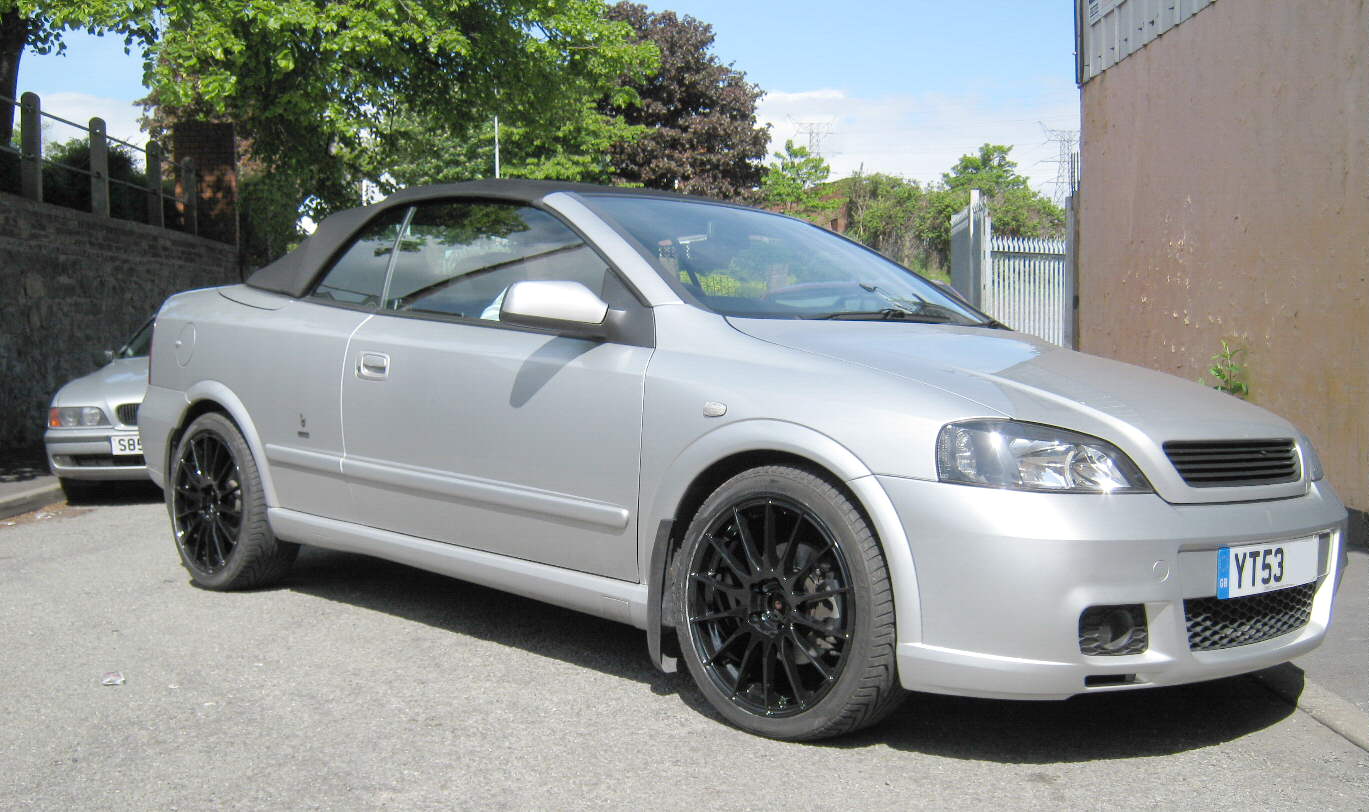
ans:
(718, 456)
(213, 396)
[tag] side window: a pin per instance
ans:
(358, 275)
(457, 259)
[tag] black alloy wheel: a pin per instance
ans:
(218, 509)
(207, 502)
(784, 609)
(768, 603)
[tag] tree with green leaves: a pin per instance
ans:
(20, 30)
(910, 222)
(319, 89)
(989, 170)
(578, 149)
(792, 179)
(1016, 209)
(698, 116)
(37, 26)
(882, 211)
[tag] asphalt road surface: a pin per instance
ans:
(364, 684)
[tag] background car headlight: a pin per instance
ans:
(72, 416)
(1033, 457)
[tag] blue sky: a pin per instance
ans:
(897, 87)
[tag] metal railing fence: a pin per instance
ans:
(184, 192)
(1026, 283)
(1026, 286)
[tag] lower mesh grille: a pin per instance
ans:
(101, 460)
(1216, 624)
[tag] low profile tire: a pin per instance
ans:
(784, 610)
(218, 511)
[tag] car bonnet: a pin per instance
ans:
(123, 380)
(1018, 376)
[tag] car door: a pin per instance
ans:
(464, 430)
(291, 364)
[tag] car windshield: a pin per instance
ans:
(748, 263)
(139, 345)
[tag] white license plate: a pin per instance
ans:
(1255, 568)
(125, 444)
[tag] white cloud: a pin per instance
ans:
(121, 117)
(919, 136)
(805, 97)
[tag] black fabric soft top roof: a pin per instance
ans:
(294, 273)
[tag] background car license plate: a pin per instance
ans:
(1255, 568)
(126, 444)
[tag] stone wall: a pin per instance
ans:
(73, 284)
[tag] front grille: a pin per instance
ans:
(127, 414)
(1224, 463)
(1216, 624)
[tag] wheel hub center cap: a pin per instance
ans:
(769, 608)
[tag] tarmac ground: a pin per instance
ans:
(1330, 684)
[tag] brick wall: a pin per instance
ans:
(73, 284)
(213, 148)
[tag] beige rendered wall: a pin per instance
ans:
(1225, 194)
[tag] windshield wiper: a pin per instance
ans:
(887, 314)
(906, 305)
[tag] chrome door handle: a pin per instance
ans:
(373, 366)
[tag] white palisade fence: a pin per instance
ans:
(1025, 282)
(1026, 286)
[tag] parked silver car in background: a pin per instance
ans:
(92, 432)
(803, 470)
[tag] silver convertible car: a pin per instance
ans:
(814, 477)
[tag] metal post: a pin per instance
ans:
(977, 245)
(1071, 314)
(155, 213)
(496, 146)
(984, 233)
(99, 168)
(190, 184)
(31, 146)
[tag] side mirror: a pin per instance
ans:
(104, 357)
(565, 306)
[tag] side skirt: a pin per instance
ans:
(607, 598)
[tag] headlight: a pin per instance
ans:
(1311, 461)
(1033, 457)
(71, 416)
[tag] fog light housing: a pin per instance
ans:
(1112, 631)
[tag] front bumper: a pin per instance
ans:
(85, 453)
(1003, 577)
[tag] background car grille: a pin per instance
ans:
(1223, 463)
(127, 414)
(1215, 624)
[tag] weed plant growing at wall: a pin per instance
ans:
(1228, 372)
